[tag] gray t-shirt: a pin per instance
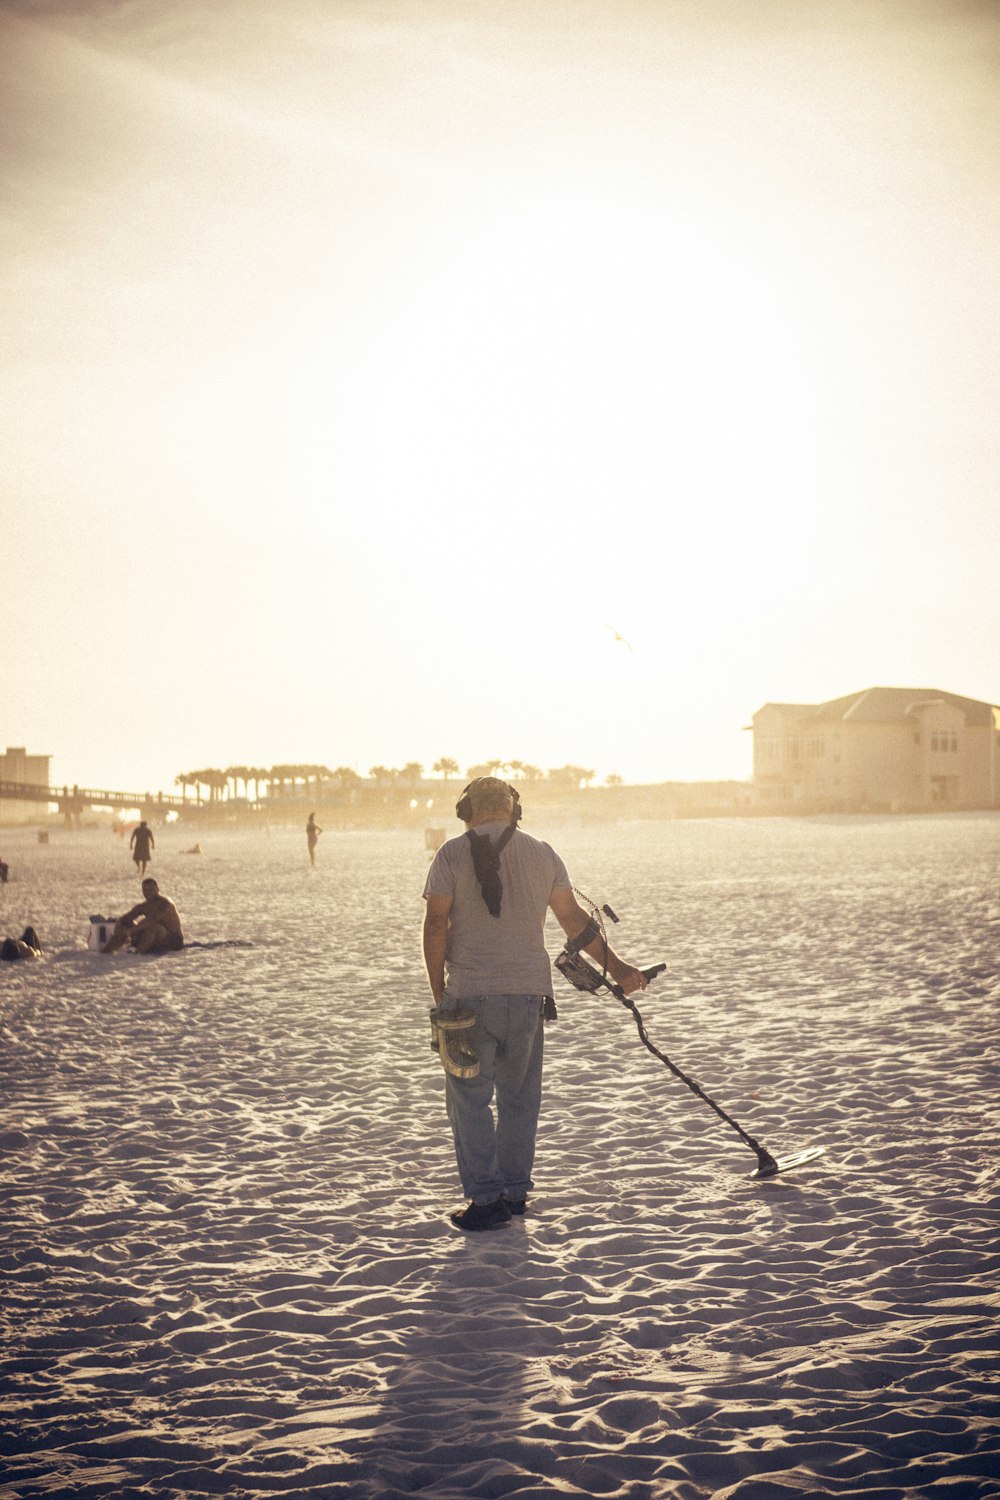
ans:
(503, 955)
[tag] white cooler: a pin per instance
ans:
(101, 928)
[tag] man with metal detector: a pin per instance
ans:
(487, 894)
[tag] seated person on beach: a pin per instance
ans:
(151, 927)
(26, 946)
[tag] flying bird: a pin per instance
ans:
(619, 637)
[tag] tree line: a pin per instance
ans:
(311, 781)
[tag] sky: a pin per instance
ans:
(389, 380)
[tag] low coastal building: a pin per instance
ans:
(883, 749)
(18, 768)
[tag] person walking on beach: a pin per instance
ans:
(487, 894)
(313, 831)
(153, 926)
(141, 842)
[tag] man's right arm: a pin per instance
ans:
(573, 919)
(435, 937)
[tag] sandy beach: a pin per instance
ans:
(227, 1266)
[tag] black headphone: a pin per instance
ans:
(463, 807)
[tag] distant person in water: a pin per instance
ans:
(4, 871)
(151, 927)
(141, 842)
(313, 831)
(26, 946)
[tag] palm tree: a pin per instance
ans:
(412, 772)
(613, 779)
(320, 776)
(183, 781)
(282, 775)
(197, 781)
(213, 779)
(568, 776)
(381, 774)
(295, 775)
(445, 767)
(236, 774)
(348, 782)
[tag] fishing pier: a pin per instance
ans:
(74, 801)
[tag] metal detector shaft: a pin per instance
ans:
(766, 1164)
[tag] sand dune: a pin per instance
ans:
(228, 1268)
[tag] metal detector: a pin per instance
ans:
(582, 974)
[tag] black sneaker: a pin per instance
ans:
(482, 1215)
(516, 1205)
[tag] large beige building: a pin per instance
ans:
(884, 749)
(27, 770)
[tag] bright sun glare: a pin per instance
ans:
(574, 369)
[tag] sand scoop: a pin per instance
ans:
(574, 967)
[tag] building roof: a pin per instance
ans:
(884, 705)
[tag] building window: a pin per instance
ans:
(944, 740)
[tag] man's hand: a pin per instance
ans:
(628, 978)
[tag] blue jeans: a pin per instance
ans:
(494, 1160)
